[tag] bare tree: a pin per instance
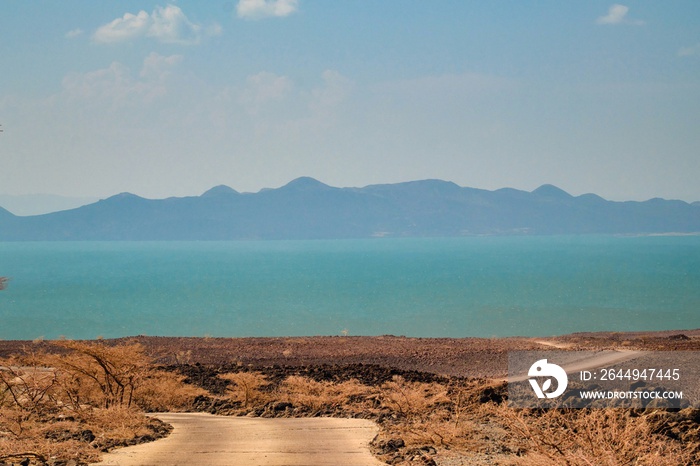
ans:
(116, 371)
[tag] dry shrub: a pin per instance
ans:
(14, 421)
(26, 385)
(605, 437)
(315, 395)
(103, 375)
(117, 425)
(76, 391)
(90, 374)
(24, 434)
(12, 451)
(246, 386)
(183, 357)
(438, 415)
(412, 399)
(165, 391)
(439, 431)
(354, 393)
(68, 406)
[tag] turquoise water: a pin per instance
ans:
(490, 286)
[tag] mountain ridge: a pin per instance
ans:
(306, 208)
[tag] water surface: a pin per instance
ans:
(488, 286)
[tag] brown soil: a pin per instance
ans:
(371, 360)
(452, 357)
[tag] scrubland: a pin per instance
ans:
(65, 402)
(455, 421)
(66, 406)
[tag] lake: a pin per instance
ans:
(426, 287)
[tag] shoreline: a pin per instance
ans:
(454, 357)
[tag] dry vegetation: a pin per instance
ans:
(606, 437)
(67, 405)
(458, 421)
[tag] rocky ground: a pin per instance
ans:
(460, 357)
(371, 360)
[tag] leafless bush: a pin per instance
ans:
(14, 451)
(605, 437)
(116, 371)
(26, 385)
(164, 391)
(246, 386)
(117, 425)
(71, 404)
(315, 395)
(412, 399)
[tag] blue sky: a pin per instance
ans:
(169, 99)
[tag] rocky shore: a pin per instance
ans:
(453, 357)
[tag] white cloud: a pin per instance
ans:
(689, 51)
(336, 88)
(167, 24)
(74, 33)
(617, 14)
(264, 86)
(113, 81)
(265, 93)
(171, 26)
(257, 9)
(122, 29)
(116, 86)
(157, 67)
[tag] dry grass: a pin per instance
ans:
(87, 398)
(469, 420)
(164, 391)
(114, 373)
(246, 387)
(314, 396)
(43, 450)
(80, 437)
(605, 437)
(412, 399)
(91, 397)
(118, 426)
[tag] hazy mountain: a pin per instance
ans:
(37, 204)
(308, 209)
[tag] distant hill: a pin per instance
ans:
(36, 204)
(308, 209)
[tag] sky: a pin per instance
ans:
(172, 98)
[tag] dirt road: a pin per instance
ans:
(204, 439)
(576, 361)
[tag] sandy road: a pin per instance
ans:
(584, 360)
(204, 439)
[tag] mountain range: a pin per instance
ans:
(37, 204)
(308, 209)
